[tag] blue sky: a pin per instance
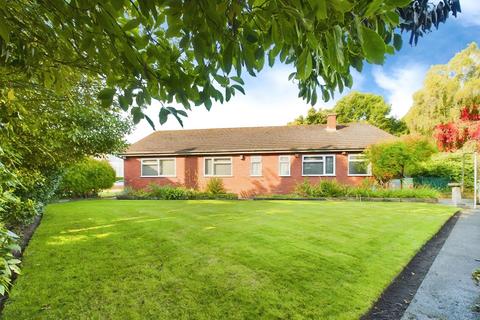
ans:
(272, 100)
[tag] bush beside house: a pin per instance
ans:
(399, 158)
(332, 189)
(86, 178)
(323, 189)
(215, 186)
(214, 190)
(418, 158)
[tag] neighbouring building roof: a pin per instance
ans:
(275, 139)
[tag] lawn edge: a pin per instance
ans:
(395, 299)
(359, 199)
(28, 232)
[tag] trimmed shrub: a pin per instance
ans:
(87, 178)
(215, 186)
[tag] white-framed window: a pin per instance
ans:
(358, 165)
(218, 167)
(284, 166)
(256, 166)
(318, 165)
(161, 167)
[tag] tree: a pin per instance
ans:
(447, 89)
(398, 158)
(186, 51)
(463, 133)
(358, 107)
(52, 130)
(313, 117)
(42, 132)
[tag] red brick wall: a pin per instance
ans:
(190, 173)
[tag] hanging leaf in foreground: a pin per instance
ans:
(195, 52)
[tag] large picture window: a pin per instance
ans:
(218, 167)
(256, 166)
(358, 165)
(318, 165)
(158, 167)
(284, 166)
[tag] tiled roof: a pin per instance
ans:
(355, 136)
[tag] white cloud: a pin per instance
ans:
(400, 84)
(270, 100)
(470, 15)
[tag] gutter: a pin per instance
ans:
(228, 152)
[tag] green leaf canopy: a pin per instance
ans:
(186, 51)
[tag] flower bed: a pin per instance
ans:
(155, 192)
(332, 189)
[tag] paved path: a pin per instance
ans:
(448, 291)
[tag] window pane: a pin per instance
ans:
(313, 158)
(358, 167)
(256, 169)
(284, 168)
(222, 160)
(284, 159)
(167, 167)
(357, 157)
(256, 166)
(149, 168)
(256, 159)
(329, 165)
(208, 167)
(313, 168)
(222, 169)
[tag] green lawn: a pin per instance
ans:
(110, 259)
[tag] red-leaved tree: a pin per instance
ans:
(453, 135)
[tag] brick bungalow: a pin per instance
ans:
(257, 160)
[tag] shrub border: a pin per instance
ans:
(27, 235)
(366, 199)
(127, 197)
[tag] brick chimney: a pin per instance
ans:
(332, 122)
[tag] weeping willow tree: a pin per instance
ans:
(447, 89)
